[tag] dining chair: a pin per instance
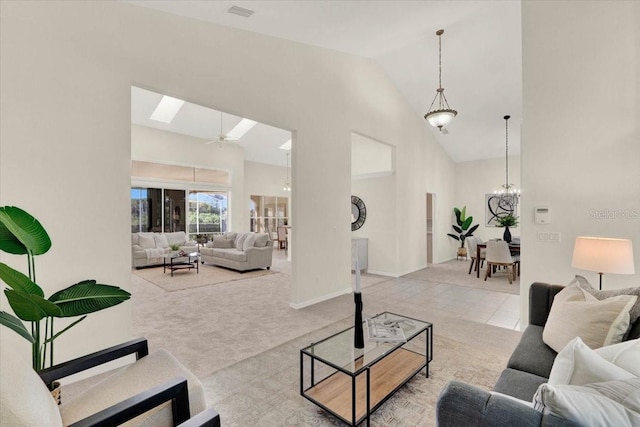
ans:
(282, 238)
(472, 247)
(499, 255)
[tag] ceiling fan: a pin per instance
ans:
(222, 137)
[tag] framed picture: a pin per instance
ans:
(497, 206)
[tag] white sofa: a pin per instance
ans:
(150, 248)
(239, 251)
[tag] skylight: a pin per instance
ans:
(241, 129)
(286, 145)
(167, 109)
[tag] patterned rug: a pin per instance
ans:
(189, 279)
(265, 389)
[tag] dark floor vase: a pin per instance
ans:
(507, 235)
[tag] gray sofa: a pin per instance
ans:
(239, 251)
(149, 249)
(462, 404)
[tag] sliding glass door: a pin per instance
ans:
(166, 210)
(208, 213)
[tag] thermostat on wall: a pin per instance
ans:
(543, 215)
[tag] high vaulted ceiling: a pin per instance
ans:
(481, 54)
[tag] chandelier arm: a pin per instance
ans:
(432, 102)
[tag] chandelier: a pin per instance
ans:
(509, 193)
(287, 183)
(443, 114)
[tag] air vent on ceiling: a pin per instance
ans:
(237, 10)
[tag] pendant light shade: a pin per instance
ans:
(442, 114)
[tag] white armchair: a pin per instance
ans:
(156, 390)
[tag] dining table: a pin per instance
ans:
(513, 247)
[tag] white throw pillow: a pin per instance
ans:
(146, 241)
(577, 364)
(161, 241)
(603, 404)
(576, 313)
(625, 355)
(249, 242)
(634, 312)
(240, 240)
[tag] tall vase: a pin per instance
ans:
(507, 235)
(358, 336)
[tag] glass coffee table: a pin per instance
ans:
(351, 383)
(177, 261)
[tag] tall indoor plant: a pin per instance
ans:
(507, 221)
(22, 234)
(462, 228)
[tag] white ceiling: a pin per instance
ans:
(481, 58)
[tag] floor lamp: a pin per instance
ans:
(603, 255)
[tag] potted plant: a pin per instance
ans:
(22, 234)
(507, 221)
(175, 247)
(462, 228)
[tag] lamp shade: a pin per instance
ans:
(603, 255)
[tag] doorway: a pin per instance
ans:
(430, 204)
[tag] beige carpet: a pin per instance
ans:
(455, 272)
(189, 279)
(265, 389)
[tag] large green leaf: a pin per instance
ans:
(15, 324)
(463, 214)
(467, 222)
(471, 230)
(21, 233)
(31, 308)
(458, 214)
(86, 297)
(18, 281)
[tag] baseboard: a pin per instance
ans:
(382, 273)
(320, 299)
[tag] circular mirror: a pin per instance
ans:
(358, 213)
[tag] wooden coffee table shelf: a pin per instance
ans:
(364, 377)
(386, 376)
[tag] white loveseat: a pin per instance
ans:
(239, 251)
(150, 248)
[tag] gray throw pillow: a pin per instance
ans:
(634, 313)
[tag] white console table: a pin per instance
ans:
(360, 248)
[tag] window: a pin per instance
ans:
(267, 213)
(208, 213)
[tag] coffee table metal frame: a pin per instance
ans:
(377, 353)
(175, 263)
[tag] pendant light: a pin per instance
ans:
(443, 114)
(509, 193)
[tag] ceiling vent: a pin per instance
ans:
(241, 11)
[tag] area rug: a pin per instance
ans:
(189, 279)
(265, 389)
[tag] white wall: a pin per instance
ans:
(474, 180)
(581, 132)
(380, 226)
(153, 145)
(65, 80)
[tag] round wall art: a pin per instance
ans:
(358, 213)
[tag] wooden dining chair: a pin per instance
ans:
(472, 248)
(499, 255)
